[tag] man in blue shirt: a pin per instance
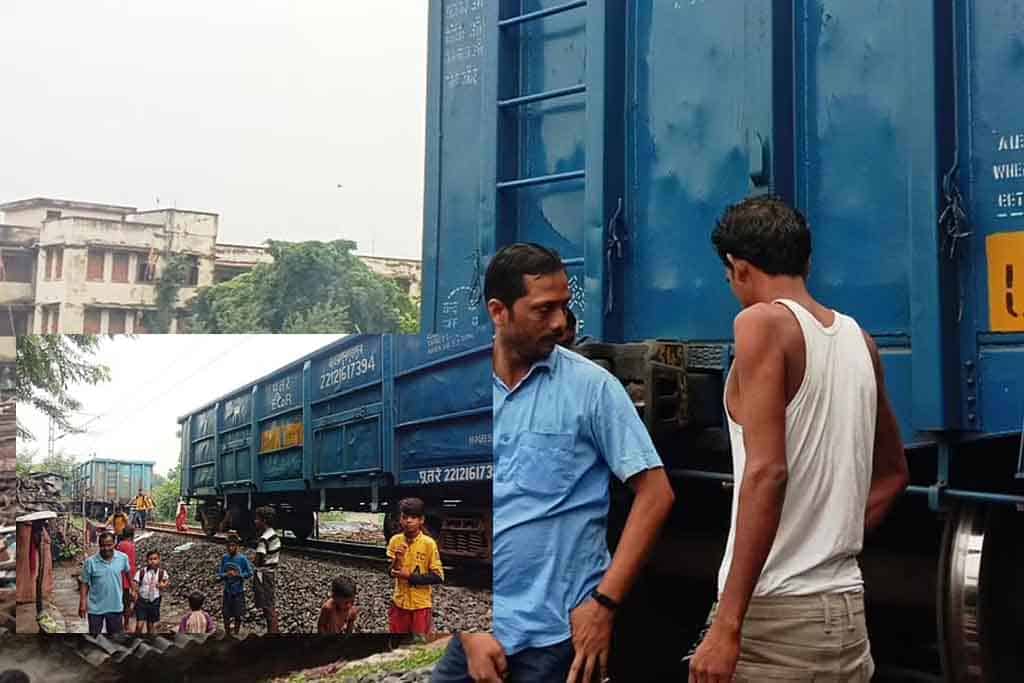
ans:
(102, 587)
(562, 427)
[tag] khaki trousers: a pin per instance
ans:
(821, 638)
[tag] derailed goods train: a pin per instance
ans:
(356, 425)
(617, 132)
(95, 486)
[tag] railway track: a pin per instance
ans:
(469, 574)
(343, 550)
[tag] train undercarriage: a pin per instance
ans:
(460, 520)
(943, 572)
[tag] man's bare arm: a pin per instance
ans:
(651, 507)
(889, 472)
(760, 373)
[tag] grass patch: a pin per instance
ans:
(417, 659)
(333, 516)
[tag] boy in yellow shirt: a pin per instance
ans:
(416, 566)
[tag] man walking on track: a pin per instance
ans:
(562, 427)
(142, 504)
(817, 460)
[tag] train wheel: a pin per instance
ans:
(301, 523)
(390, 524)
(241, 521)
(981, 594)
(210, 518)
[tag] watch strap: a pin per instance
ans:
(603, 600)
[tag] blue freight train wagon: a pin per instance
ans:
(617, 132)
(95, 487)
(356, 425)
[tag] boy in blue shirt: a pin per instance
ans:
(234, 570)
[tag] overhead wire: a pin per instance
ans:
(247, 339)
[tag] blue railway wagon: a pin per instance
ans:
(98, 484)
(617, 132)
(356, 425)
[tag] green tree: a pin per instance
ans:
(48, 366)
(310, 287)
(166, 495)
(24, 461)
(59, 463)
(172, 276)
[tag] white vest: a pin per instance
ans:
(830, 436)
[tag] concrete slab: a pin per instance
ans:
(65, 597)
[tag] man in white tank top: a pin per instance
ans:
(817, 460)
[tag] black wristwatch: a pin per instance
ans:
(603, 600)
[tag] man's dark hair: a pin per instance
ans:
(128, 532)
(504, 278)
(104, 534)
(196, 600)
(413, 507)
(266, 513)
(768, 233)
(343, 587)
(14, 676)
(151, 553)
(233, 538)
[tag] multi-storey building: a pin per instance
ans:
(84, 267)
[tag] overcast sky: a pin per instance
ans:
(253, 109)
(157, 378)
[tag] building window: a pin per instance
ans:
(146, 269)
(94, 266)
(19, 320)
(54, 263)
(115, 321)
(16, 266)
(93, 323)
(119, 269)
(52, 215)
(51, 319)
(193, 272)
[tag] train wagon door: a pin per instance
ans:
(991, 136)
(708, 124)
(349, 388)
(349, 444)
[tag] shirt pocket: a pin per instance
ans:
(544, 462)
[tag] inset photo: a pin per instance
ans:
(252, 484)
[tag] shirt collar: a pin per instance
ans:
(549, 363)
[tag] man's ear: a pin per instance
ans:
(740, 268)
(498, 312)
